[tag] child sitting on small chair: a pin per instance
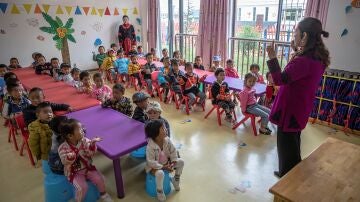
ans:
(100, 90)
(14, 64)
(221, 94)
(121, 65)
(3, 70)
(140, 52)
(161, 155)
(40, 133)
(65, 74)
(146, 71)
(198, 63)
(108, 64)
(75, 74)
(75, 153)
(175, 75)
(42, 66)
(271, 91)
(248, 103)
(254, 68)
(154, 112)
(230, 71)
(99, 58)
(119, 102)
(134, 69)
(163, 77)
(85, 83)
(177, 56)
(153, 52)
(141, 100)
(165, 53)
(16, 101)
(190, 83)
(216, 63)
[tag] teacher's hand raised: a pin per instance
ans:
(271, 50)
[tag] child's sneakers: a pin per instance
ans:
(161, 196)
(176, 182)
(106, 198)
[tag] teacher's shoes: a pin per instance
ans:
(161, 196)
(266, 132)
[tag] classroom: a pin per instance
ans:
(179, 100)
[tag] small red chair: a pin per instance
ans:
(172, 96)
(109, 76)
(133, 82)
(185, 99)
(25, 136)
(253, 122)
(12, 133)
(219, 112)
(144, 84)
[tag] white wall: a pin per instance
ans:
(20, 38)
(344, 51)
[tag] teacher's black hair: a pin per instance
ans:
(125, 16)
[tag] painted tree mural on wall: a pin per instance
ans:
(62, 33)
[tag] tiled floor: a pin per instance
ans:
(214, 163)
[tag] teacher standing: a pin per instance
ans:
(298, 83)
(126, 35)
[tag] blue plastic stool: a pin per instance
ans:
(150, 184)
(139, 153)
(45, 167)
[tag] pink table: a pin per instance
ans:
(29, 79)
(120, 134)
(199, 72)
(237, 84)
(142, 62)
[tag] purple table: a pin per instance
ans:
(120, 134)
(236, 84)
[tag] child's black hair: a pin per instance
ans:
(84, 74)
(165, 49)
(35, 89)
(3, 66)
(42, 105)
(112, 45)
(188, 64)
(11, 80)
(248, 76)
(63, 65)
(177, 51)
(229, 61)
(152, 128)
(101, 47)
(119, 51)
(74, 70)
(119, 87)
(133, 56)
(197, 57)
(8, 75)
(97, 75)
(139, 47)
(252, 66)
(218, 71)
(55, 125)
(67, 127)
(11, 86)
(52, 59)
(174, 62)
(148, 55)
(14, 59)
(37, 55)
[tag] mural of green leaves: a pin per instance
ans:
(62, 33)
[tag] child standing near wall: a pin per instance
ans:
(108, 64)
(146, 71)
(99, 58)
(161, 155)
(134, 69)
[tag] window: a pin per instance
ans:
(254, 13)
(191, 16)
(239, 14)
(266, 13)
(164, 24)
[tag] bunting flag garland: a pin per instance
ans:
(116, 11)
(26, 8)
(86, 10)
(3, 7)
(15, 10)
(107, 11)
(68, 9)
(101, 11)
(37, 9)
(59, 10)
(46, 8)
(93, 11)
(78, 11)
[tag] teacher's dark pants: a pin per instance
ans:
(288, 146)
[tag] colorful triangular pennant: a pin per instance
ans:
(107, 11)
(78, 11)
(101, 11)
(27, 7)
(3, 7)
(46, 7)
(68, 9)
(37, 9)
(86, 10)
(125, 10)
(116, 12)
(93, 11)
(15, 10)
(59, 10)
(135, 12)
